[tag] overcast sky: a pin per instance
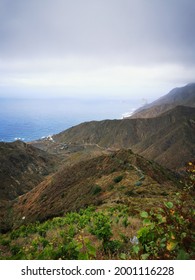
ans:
(113, 48)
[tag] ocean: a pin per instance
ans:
(31, 119)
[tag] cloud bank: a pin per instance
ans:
(96, 47)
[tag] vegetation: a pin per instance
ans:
(135, 219)
(88, 234)
(166, 233)
(96, 189)
(118, 179)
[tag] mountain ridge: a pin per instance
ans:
(184, 96)
(160, 135)
(95, 182)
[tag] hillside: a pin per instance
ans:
(99, 209)
(184, 96)
(22, 167)
(121, 177)
(168, 139)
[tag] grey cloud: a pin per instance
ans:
(128, 31)
(119, 44)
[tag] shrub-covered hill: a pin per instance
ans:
(166, 232)
(122, 177)
(120, 206)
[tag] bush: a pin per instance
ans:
(15, 249)
(5, 242)
(85, 248)
(96, 189)
(167, 232)
(101, 227)
(113, 246)
(118, 179)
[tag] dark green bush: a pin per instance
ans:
(118, 179)
(96, 189)
(5, 242)
(113, 246)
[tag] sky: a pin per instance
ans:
(130, 49)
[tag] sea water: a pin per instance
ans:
(31, 119)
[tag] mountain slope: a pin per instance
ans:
(184, 96)
(120, 178)
(173, 144)
(169, 139)
(22, 167)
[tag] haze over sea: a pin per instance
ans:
(31, 119)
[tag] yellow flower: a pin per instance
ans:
(171, 245)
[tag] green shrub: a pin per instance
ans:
(14, 234)
(96, 189)
(118, 179)
(48, 253)
(5, 242)
(167, 232)
(68, 251)
(42, 232)
(15, 249)
(85, 248)
(113, 246)
(101, 227)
